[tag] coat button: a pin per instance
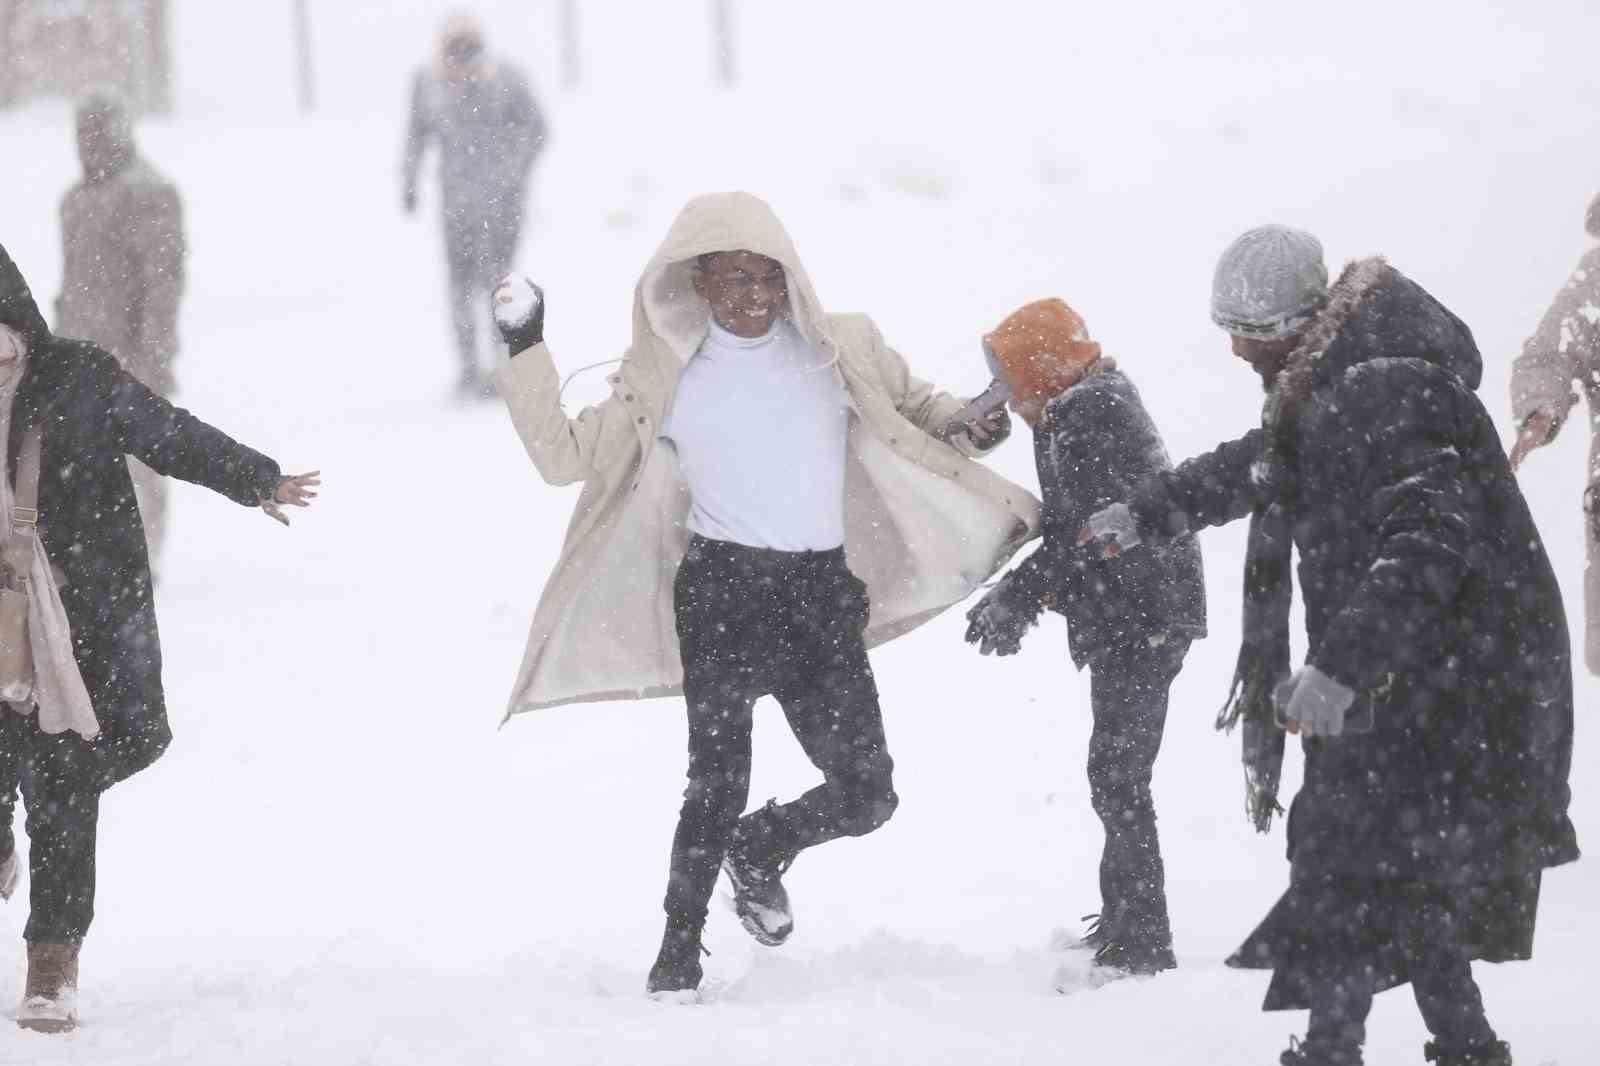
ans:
(643, 420)
(629, 397)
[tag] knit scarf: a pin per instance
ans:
(1268, 579)
(1264, 652)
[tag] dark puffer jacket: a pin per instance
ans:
(95, 414)
(1095, 444)
(1427, 591)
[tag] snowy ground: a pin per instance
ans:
(342, 861)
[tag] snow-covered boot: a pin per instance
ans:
(1313, 1053)
(10, 871)
(1494, 1053)
(676, 973)
(755, 867)
(1119, 958)
(50, 997)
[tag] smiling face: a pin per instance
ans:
(745, 291)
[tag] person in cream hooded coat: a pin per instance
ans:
(923, 524)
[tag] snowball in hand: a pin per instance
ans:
(515, 301)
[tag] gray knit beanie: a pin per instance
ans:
(1269, 283)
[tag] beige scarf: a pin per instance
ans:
(59, 693)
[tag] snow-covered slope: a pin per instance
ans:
(342, 860)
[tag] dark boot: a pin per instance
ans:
(677, 966)
(1129, 958)
(1494, 1053)
(755, 864)
(1315, 1053)
(50, 997)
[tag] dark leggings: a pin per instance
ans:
(1423, 924)
(751, 623)
(1128, 691)
(63, 816)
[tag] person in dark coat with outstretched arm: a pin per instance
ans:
(96, 714)
(1129, 620)
(1435, 703)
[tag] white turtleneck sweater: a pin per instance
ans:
(760, 426)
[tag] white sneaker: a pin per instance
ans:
(10, 871)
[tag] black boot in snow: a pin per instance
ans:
(755, 867)
(1119, 958)
(676, 973)
(1317, 1054)
(1494, 1053)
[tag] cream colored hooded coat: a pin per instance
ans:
(924, 525)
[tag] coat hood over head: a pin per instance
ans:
(105, 137)
(666, 307)
(17, 308)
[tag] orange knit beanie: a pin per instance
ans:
(1043, 349)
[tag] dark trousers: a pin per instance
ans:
(1419, 921)
(63, 814)
(1128, 691)
(752, 623)
(480, 241)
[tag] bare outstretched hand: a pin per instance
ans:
(295, 490)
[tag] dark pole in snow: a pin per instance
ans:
(569, 42)
(722, 39)
(302, 45)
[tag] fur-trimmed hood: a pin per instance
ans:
(1373, 312)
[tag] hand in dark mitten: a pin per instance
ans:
(994, 626)
(1591, 507)
(518, 306)
(408, 200)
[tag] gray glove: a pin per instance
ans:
(1313, 702)
(1113, 529)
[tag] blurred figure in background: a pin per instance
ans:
(122, 263)
(489, 130)
(1564, 351)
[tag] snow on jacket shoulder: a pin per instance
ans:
(924, 525)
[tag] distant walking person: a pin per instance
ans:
(1562, 353)
(1130, 619)
(489, 130)
(86, 709)
(123, 270)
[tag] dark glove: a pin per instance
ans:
(1591, 507)
(518, 306)
(994, 625)
(408, 200)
